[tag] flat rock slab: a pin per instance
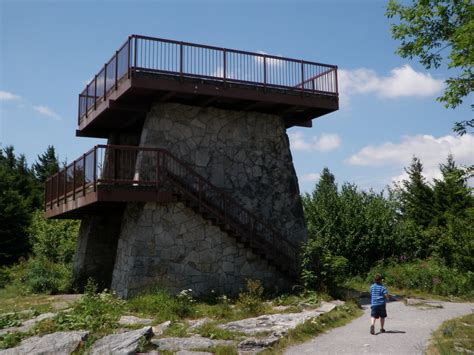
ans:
(195, 342)
(189, 352)
(55, 343)
(28, 324)
(277, 324)
(132, 320)
(123, 343)
(254, 345)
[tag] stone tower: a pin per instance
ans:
(196, 187)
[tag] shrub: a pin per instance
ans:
(44, 276)
(251, 301)
(320, 270)
(94, 311)
(429, 276)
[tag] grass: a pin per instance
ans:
(313, 327)
(454, 336)
(12, 301)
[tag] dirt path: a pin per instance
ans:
(408, 328)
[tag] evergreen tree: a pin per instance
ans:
(452, 196)
(417, 196)
(46, 165)
(14, 211)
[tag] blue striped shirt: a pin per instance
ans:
(377, 294)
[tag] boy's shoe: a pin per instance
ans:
(382, 330)
(372, 330)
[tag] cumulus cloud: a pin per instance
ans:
(8, 96)
(431, 150)
(46, 111)
(325, 142)
(402, 81)
(310, 177)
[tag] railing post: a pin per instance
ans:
(87, 100)
(181, 60)
(105, 80)
(79, 111)
(65, 186)
(116, 70)
(73, 180)
(94, 172)
(95, 92)
(128, 56)
(337, 88)
(225, 65)
(265, 71)
(84, 175)
(135, 53)
(302, 77)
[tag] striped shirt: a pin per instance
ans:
(377, 293)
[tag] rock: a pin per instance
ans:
(190, 352)
(160, 328)
(123, 343)
(194, 342)
(257, 344)
(277, 324)
(55, 343)
(28, 324)
(132, 320)
(196, 323)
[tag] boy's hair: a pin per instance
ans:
(378, 279)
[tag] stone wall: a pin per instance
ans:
(171, 246)
(245, 153)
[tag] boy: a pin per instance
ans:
(378, 297)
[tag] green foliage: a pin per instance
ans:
(9, 320)
(46, 165)
(352, 224)
(453, 336)
(54, 240)
(212, 331)
(97, 312)
(10, 340)
(163, 306)
(251, 300)
(425, 29)
(417, 197)
(320, 269)
(44, 276)
(428, 276)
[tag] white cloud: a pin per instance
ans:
(310, 177)
(46, 111)
(402, 81)
(431, 151)
(8, 96)
(270, 61)
(324, 143)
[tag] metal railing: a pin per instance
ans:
(109, 166)
(182, 59)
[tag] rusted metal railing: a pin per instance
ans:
(139, 167)
(221, 65)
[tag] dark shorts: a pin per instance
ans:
(378, 311)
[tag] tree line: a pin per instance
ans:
(351, 231)
(21, 194)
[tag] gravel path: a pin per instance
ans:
(408, 328)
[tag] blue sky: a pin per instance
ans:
(50, 49)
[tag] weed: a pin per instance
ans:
(10, 340)
(251, 301)
(212, 331)
(453, 337)
(9, 320)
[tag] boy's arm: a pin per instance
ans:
(385, 294)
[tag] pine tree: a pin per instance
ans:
(46, 165)
(452, 195)
(417, 196)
